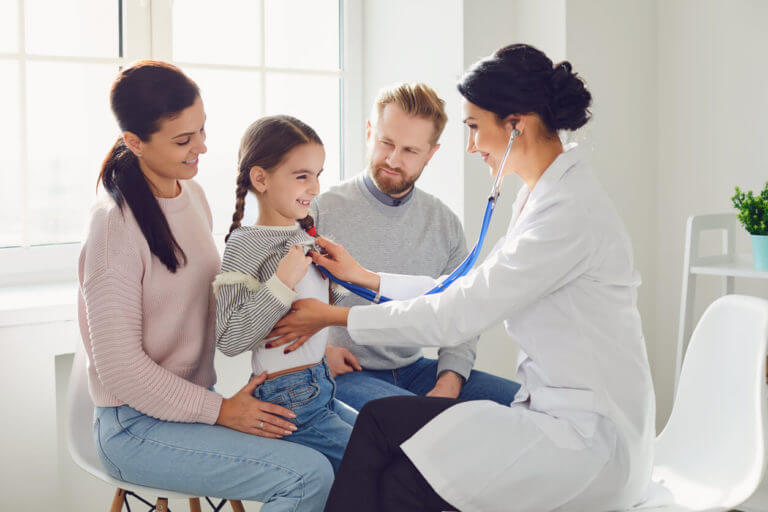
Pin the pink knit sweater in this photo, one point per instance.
(149, 333)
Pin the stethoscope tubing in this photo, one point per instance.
(465, 265)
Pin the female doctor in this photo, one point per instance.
(579, 433)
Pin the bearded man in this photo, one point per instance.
(389, 225)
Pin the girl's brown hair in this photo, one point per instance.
(265, 144)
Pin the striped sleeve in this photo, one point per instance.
(113, 304)
(247, 309)
(337, 293)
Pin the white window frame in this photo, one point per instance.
(147, 34)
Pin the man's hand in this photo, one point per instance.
(448, 385)
(341, 360)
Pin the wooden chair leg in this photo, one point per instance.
(237, 505)
(118, 500)
(194, 504)
(162, 505)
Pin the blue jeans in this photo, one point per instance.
(211, 460)
(323, 423)
(418, 378)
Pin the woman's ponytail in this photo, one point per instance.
(123, 180)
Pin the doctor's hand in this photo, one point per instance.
(307, 316)
(342, 265)
(341, 360)
(448, 385)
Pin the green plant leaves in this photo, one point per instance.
(753, 210)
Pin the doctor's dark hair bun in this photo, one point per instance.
(520, 79)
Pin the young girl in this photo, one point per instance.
(265, 268)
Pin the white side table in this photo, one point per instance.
(727, 265)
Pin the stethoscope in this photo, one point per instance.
(465, 265)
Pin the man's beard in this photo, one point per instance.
(388, 184)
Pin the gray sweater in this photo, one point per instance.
(420, 236)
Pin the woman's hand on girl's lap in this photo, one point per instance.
(307, 316)
(342, 265)
(293, 266)
(245, 413)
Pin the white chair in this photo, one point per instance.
(711, 453)
(81, 447)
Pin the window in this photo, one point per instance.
(58, 59)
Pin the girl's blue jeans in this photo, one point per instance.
(212, 460)
(323, 422)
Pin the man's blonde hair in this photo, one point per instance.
(416, 99)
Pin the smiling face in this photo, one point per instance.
(172, 152)
(286, 191)
(487, 136)
(399, 147)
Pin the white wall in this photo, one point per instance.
(28, 439)
(489, 25)
(612, 45)
(679, 95)
(712, 132)
(420, 41)
(680, 98)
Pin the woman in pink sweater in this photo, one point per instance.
(146, 314)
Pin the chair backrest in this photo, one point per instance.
(713, 444)
(80, 416)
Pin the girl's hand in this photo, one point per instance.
(293, 266)
(339, 263)
(245, 413)
(307, 316)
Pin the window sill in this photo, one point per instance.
(38, 303)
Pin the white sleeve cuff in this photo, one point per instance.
(400, 287)
(280, 290)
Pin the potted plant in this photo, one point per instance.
(753, 215)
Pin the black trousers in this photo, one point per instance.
(375, 475)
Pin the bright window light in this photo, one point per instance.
(57, 59)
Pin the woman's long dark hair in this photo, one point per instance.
(142, 96)
(520, 79)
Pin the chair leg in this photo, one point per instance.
(118, 500)
(194, 504)
(237, 505)
(162, 505)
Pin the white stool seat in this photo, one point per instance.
(80, 432)
(80, 436)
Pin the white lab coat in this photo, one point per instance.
(579, 435)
